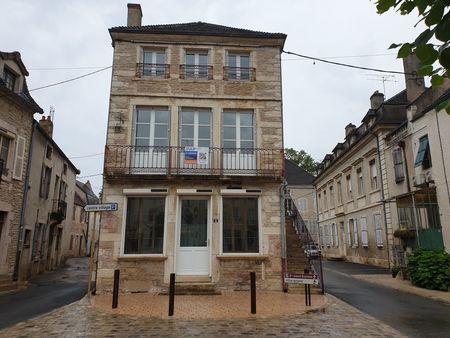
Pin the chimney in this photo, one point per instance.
(376, 100)
(349, 129)
(415, 85)
(47, 125)
(134, 18)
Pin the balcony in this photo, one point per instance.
(59, 210)
(125, 160)
(196, 72)
(239, 74)
(160, 71)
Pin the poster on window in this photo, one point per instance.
(196, 155)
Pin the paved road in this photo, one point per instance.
(47, 292)
(412, 315)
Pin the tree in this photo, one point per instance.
(436, 16)
(302, 159)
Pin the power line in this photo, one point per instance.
(347, 65)
(85, 156)
(70, 80)
(64, 68)
(90, 175)
(346, 56)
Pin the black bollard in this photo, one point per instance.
(253, 291)
(115, 299)
(171, 294)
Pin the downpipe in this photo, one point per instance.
(283, 234)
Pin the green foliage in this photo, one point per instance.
(430, 269)
(436, 16)
(302, 158)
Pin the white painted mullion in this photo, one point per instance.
(152, 128)
(195, 129)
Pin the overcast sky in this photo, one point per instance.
(318, 99)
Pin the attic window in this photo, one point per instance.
(65, 169)
(423, 154)
(9, 78)
(49, 152)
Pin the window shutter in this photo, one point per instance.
(378, 231)
(336, 235)
(19, 158)
(349, 234)
(364, 237)
(355, 231)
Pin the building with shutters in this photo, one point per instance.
(17, 108)
(194, 157)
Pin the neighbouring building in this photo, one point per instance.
(17, 108)
(48, 206)
(84, 224)
(301, 192)
(379, 192)
(194, 157)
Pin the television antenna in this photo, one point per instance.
(382, 78)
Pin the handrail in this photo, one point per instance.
(153, 70)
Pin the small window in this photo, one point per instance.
(4, 151)
(349, 188)
(48, 152)
(239, 67)
(2, 222)
(339, 192)
(325, 201)
(9, 78)
(359, 174)
(45, 182)
(27, 238)
(331, 197)
(423, 154)
(196, 66)
(153, 64)
(65, 169)
(399, 170)
(373, 175)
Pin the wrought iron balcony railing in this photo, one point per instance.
(239, 73)
(59, 210)
(156, 70)
(196, 72)
(176, 160)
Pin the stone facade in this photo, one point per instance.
(131, 88)
(16, 121)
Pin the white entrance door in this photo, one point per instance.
(193, 237)
(151, 140)
(238, 142)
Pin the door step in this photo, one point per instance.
(197, 288)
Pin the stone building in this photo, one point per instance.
(47, 212)
(194, 157)
(301, 192)
(380, 185)
(17, 108)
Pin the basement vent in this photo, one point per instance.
(253, 190)
(204, 190)
(159, 190)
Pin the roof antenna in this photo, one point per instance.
(383, 78)
(52, 113)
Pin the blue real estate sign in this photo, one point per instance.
(101, 207)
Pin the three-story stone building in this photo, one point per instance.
(194, 157)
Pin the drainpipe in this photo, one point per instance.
(383, 197)
(401, 144)
(442, 156)
(15, 276)
(283, 234)
(416, 220)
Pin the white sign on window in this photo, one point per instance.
(196, 155)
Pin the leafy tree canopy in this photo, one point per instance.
(302, 158)
(432, 46)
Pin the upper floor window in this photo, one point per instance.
(399, 171)
(4, 151)
(9, 78)
(152, 127)
(238, 130)
(45, 182)
(360, 181)
(48, 152)
(423, 154)
(331, 197)
(373, 175)
(153, 64)
(238, 68)
(325, 201)
(339, 192)
(349, 188)
(195, 128)
(196, 66)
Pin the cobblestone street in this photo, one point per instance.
(82, 320)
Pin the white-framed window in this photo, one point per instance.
(322, 240)
(238, 130)
(352, 232)
(196, 66)
(399, 170)
(238, 66)
(319, 197)
(195, 127)
(339, 191)
(240, 232)
(364, 234)
(355, 233)
(151, 127)
(4, 152)
(144, 228)
(327, 235)
(302, 205)
(373, 174)
(154, 63)
(359, 175)
(331, 196)
(378, 230)
(336, 235)
(349, 187)
(325, 200)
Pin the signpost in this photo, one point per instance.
(94, 247)
(303, 278)
(101, 207)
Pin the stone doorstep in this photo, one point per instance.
(194, 288)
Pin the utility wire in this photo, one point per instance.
(347, 65)
(85, 156)
(68, 68)
(346, 56)
(70, 80)
(90, 175)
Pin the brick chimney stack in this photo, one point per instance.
(415, 85)
(134, 18)
(349, 129)
(47, 125)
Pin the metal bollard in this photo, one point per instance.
(253, 291)
(171, 294)
(115, 299)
